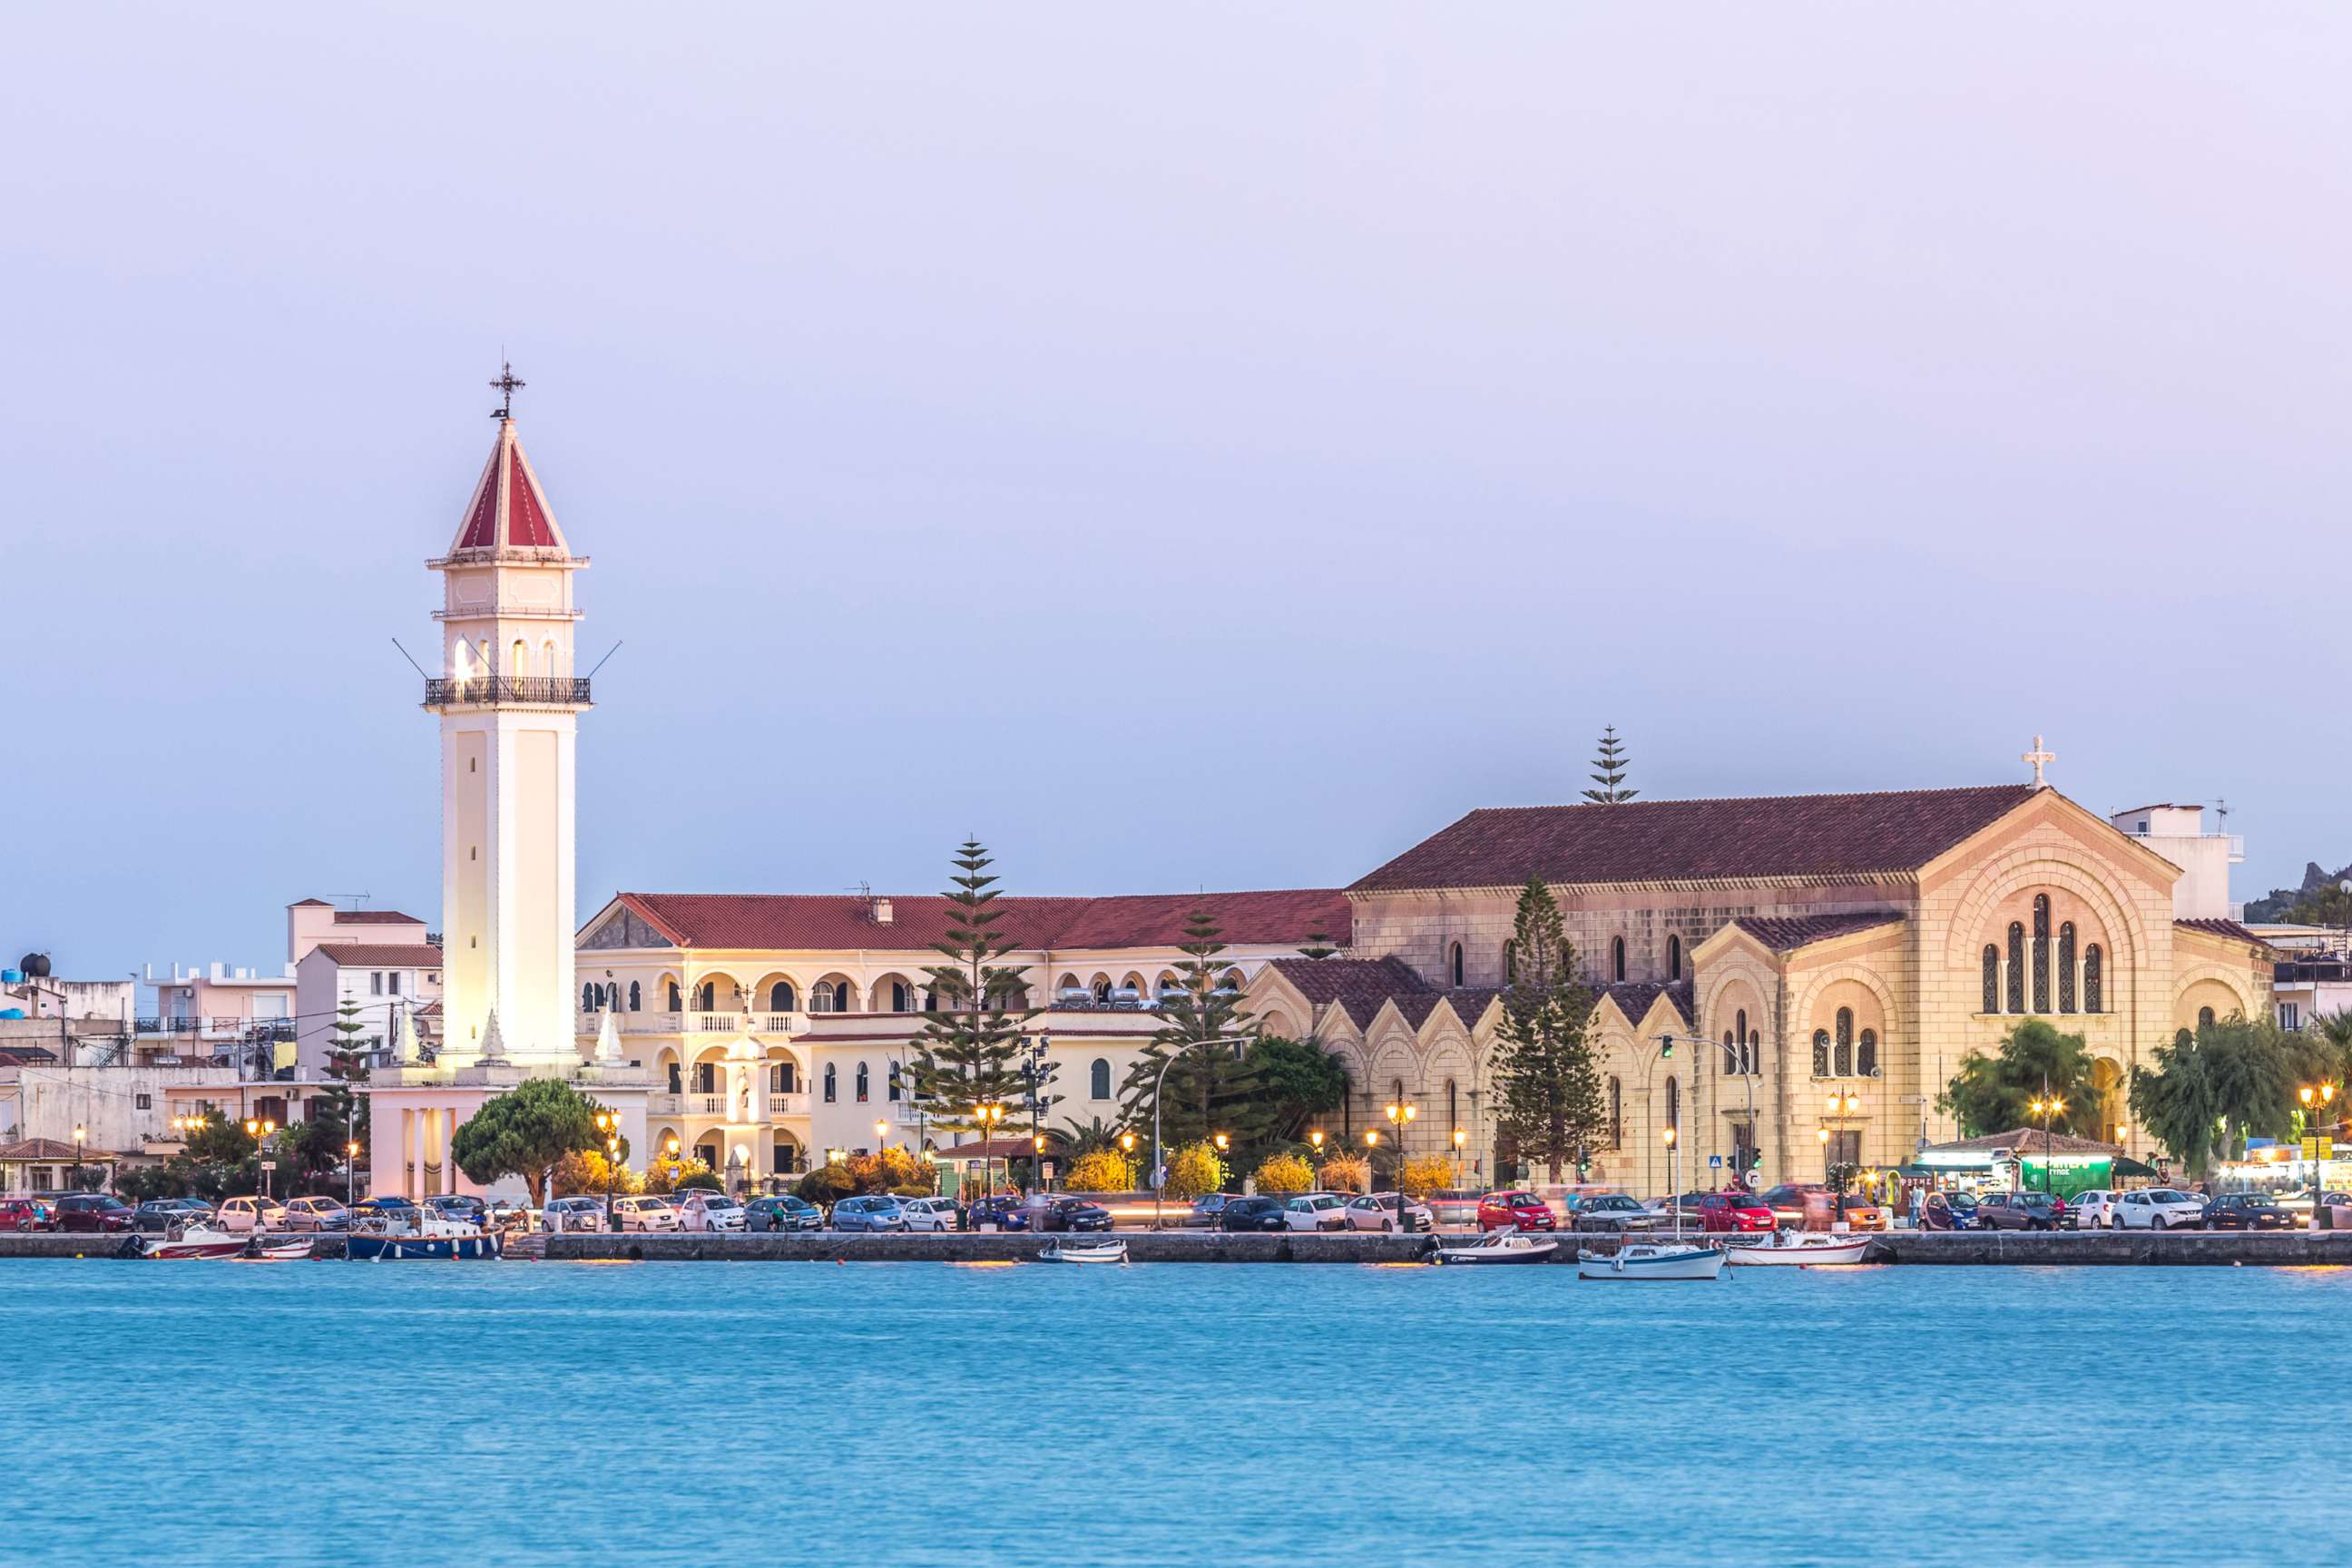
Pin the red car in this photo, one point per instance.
(93, 1211)
(1514, 1211)
(23, 1214)
(1732, 1211)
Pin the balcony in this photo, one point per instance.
(507, 691)
(250, 1031)
(788, 1105)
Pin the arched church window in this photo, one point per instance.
(1865, 1061)
(1730, 1063)
(1098, 1078)
(781, 998)
(1673, 1102)
(2093, 979)
(1616, 1113)
(1510, 963)
(521, 657)
(2204, 1017)
(1617, 958)
(2066, 967)
(1820, 1053)
(1755, 1052)
(2016, 967)
(1673, 958)
(1739, 1026)
(1991, 978)
(2041, 952)
(832, 1084)
(1844, 1068)
(1454, 961)
(636, 999)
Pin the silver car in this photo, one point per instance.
(1378, 1211)
(573, 1213)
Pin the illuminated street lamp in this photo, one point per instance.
(881, 1134)
(351, 1173)
(81, 1136)
(1841, 1106)
(2322, 1098)
(2047, 1109)
(1674, 1184)
(608, 1122)
(1400, 1116)
(1460, 1138)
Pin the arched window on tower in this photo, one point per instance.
(1098, 1078)
(1991, 978)
(1673, 958)
(1820, 1053)
(782, 999)
(1455, 962)
(1843, 1067)
(1755, 1051)
(1510, 962)
(1865, 1061)
(637, 998)
(2066, 967)
(521, 658)
(2016, 967)
(2093, 980)
(2041, 952)
(1617, 958)
(1616, 1113)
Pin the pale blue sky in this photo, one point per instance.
(1208, 447)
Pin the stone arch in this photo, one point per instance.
(764, 993)
(893, 992)
(1133, 980)
(2110, 1078)
(2211, 985)
(670, 992)
(722, 987)
(832, 991)
(1812, 1008)
(2034, 867)
(1276, 1021)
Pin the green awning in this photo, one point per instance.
(2127, 1166)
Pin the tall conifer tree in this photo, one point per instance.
(1548, 1084)
(1609, 770)
(1209, 1088)
(971, 1050)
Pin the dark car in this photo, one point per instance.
(1005, 1211)
(1252, 1213)
(1964, 1207)
(158, 1215)
(24, 1213)
(784, 1213)
(1074, 1213)
(2020, 1211)
(2248, 1211)
(462, 1207)
(93, 1211)
(1208, 1209)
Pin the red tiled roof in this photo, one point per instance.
(381, 955)
(374, 918)
(1787, 933)
(44, 1150)
(1805, 835)
(2230, 928)
(1373, 980)
(508, 509)
(822, 921)
(1360, 985)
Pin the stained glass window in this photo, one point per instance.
(1991, 978)
(2016, 967)
(2066, 967)
(2093, 999)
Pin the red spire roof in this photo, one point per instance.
(509, 510)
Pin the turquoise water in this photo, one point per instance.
(782, 1414)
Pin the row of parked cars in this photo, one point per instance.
(705, 1211)
(2141, 1208)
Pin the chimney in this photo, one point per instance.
(882, 911)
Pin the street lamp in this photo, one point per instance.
(351, 1173)
(1372, 1147)
(1224, 1143)
(2047, 1109)
(881, 1132)
(1400, 1116)
(1841, 1106)
(2320, 1096)
(1460, 1138)
(1674, 1184)
(81, 1136)
(608, 1122)
(988, 1116)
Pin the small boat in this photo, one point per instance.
(1802, 1249)
(1502, 1247)
(197, 1240)
(381, 1239)
(1651, 1260)
(1084, 1252)
(278, 1249)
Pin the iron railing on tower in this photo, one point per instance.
(494, 691)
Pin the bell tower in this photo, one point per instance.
(509, 701)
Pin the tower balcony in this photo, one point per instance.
(506, 691)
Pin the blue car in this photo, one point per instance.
(877, 1213)
(1005, 1211)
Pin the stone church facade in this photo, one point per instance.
(1819, 965)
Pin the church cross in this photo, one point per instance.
(506, 384)
(2039, 757)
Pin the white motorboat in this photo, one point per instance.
(1802, 1249)
(277, 1249)
(1501, 1246)
(1084, 1252)
(194, 1240)
(1651, 1260)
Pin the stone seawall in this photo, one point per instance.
(1142, 1245)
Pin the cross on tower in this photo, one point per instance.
(506, 384)
(2039, 757)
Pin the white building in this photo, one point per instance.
(386, 963)
(507, 707)
(2177, 833)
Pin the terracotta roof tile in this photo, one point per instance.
(1786, 934)
(2230, 928)
(381, 955)
(1808, 835)
(509, 510)
(2028, 1139)
(374, 918)
(822, 922)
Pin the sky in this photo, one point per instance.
(1211, 446)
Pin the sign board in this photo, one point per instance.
(269, 1164)
(2319, 1148)
(1714, 1161)
(1046, 1167)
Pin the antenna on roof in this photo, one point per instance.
(356, 899)
(2220, 809)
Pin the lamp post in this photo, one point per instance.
(988, 1116)
(608, 1122)
(2319, 1097)
(1372, 1147)
(2047, 1109)
(881, 1134)
(1460, 1138)
(1674, 1185)
(1401, 1115)
(81, 1136)
(1841, 1106)
(351, 1173)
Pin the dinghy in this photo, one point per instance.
(1502, 1247)
(1084, 1252)
(1651, 1260)
(1802, 1249)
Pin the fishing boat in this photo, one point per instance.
(382, 1239)
(1801, 1249)
(1084, 1252)
(194, 1240)
(1502, 1247)
(1651, 1260)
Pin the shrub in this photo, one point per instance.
(1345, 1174)
(888, 1170)
(677, 1175)
(1285, 1173)
(1425, 1174)
(581, 1171)
(827, 1183)
(1195, 1169)
(706, 1179)
(1100, 1170)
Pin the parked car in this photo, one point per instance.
(2158, 1208)
(1515, 1210)
(783, 1212)
(93, 1211)
(1074, 1215)
(1607, 1213)
(1252, 1213)
(1005, 1211)
(154, 1217)
(578, 1213)
(2091, 1210)
(24, 1213)
(1964, 1209)
(316, 1214)
(1735, 1211)
(2249, 1211)
(2020, 1211)
(464, 1208)
(249, 1213)
(1794, 1202)
(930, 1214)
(1378, 1211)
(646, 1214)
(1208, 1209)
(878, 1212)
(1315, 1211)
(710, 1212)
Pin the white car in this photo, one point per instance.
(644, 1214)
(1316, 1211)
(580, 1213)
(930, 1214)
(2093, 1210)
(1378, 1211)
(709, 1211)
(316, 1214)
(2158, 1208)
(249, 1213)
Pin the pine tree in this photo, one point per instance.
(346, 1065)
(1209, 1088)
(1610, 770)
(970, 1051)
(1546, 1082)
(1318, 945)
